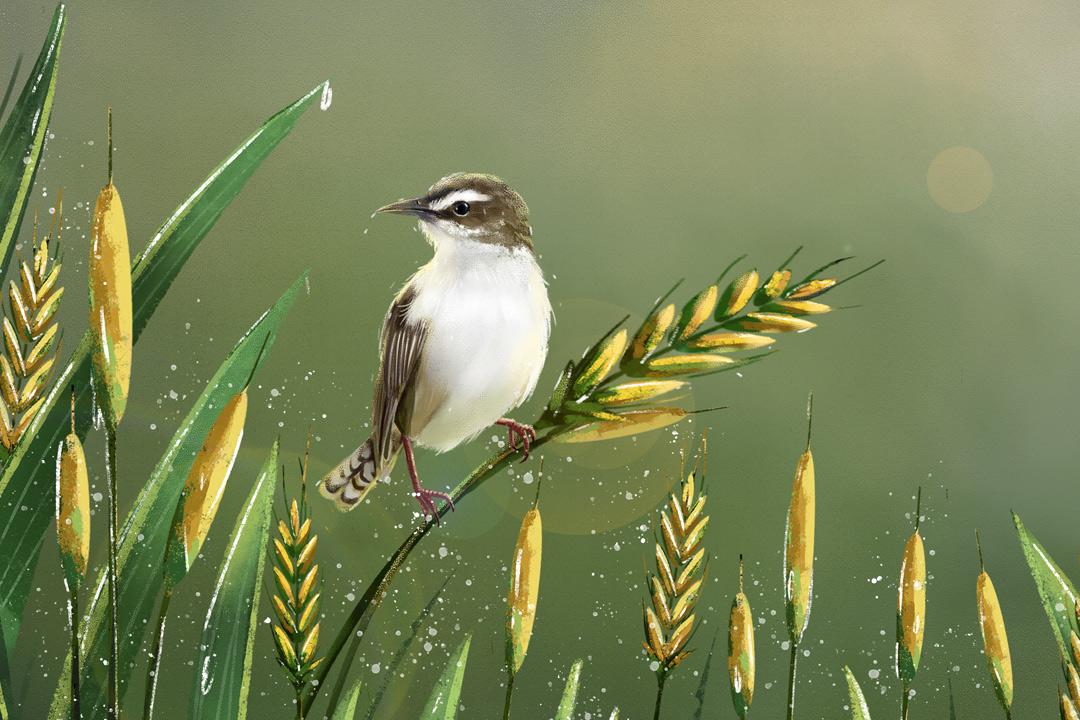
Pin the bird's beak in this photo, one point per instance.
(415, 206)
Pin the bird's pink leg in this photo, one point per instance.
(516, 431)
(423, 495)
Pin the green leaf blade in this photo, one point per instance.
(223, 669)
(146, 529)
(570, 692)
(26, 487)
(859, 708)
(443, 703)
(347, 709)
(23, 135)
(1056, 591)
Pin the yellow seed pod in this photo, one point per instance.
(630, 422)
(288, 655)
(685, 364)
(811, 289)
(911, 608)
(204, 487)
(603, 359)
(638, 391)
(730, 341)
(524, 589)
(738, 294)
(697, 311)
(73, 505)
(799, 547)
(110, 302)
(995, 641)
(800, 307)
(1074, 647)
(777, 283)
(1068, 709)
(652, 331)
(775, 322)
(741, 658)
(1072, 679)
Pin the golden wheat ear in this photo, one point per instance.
(31, 335)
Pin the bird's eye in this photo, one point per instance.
(461, 208)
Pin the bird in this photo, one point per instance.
(463, 342)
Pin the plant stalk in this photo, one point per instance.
(153, 669)
(72, 584)
(905, 699)
(299, 701)
(792, 666)
(510, 675)
(113, 712)
(661, 679)
(366, 606)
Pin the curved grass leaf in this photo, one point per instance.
(23, 136)
(569, 695)
(223, 669)
(347, 709)
(1055, 590)
(443, 703)
(26, 490)
(146, 529)
(859, 709)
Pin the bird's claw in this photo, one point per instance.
(426, 499)
(519, 431)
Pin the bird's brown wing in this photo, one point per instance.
(402, 342)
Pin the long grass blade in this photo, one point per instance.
(23, 135)
(144, 533)
(226, 651)
(443, 702)
(26, 495)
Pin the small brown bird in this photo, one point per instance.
(463, 342)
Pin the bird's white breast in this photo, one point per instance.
(488, 317)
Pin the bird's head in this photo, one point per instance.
(469, 207)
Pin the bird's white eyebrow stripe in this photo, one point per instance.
(451, 198)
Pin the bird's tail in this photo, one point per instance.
(356, 476)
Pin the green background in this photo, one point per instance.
(652, 142)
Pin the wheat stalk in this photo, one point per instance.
(611, 391)
(297, 592)
(31, 336)
(674, 588)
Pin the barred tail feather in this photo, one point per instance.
(356, 476)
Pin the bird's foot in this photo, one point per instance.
(426, 498)
(516, 431)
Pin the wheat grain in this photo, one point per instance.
(73, 503)
(995, 639)
(524, 594)
(741, 656)
(911, 610)
(110, 299)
